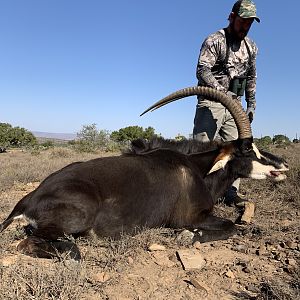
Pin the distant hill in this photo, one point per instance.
(55, 136)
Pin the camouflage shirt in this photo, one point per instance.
(212, 70)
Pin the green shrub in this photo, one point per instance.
(131, 133)
(15, 136)
(280, 139)
(90, 139)
(47, 144)
(264, 142)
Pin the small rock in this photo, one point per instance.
(278, 256)
(162, 259)
(286, 223)
(130, 260)
(282, 244)
(101, 277)
(252, 288)
(290, 269)
(261, 250)
(173, 258)
(241, 263)
(199, 286)
(292, 262)
(156, 247)
(229, 274)
(191, 259)
(291, 245)
(248, 212)
(246, 270)
(197, 245)
(240, 248)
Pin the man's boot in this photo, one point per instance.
(233, 197)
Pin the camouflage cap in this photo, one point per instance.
(245, 9)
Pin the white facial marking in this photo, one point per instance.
(256, 151)
(260, 171)
(283, 168)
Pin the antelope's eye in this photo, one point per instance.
(247, 149)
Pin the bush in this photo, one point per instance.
(15, 136)
(263, 142)
(90, 139)
(47, 144)
(130, 133)
(280, 139)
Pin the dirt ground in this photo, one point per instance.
(260, 262)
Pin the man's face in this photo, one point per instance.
(241, 26)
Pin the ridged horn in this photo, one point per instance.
(234, 107)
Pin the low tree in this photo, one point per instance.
(130, 133)
(91, 139)
(15, 136)
(149, 133)
(48, 144)
(280, 139)
(263, 142)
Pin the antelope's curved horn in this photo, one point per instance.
(234, 107)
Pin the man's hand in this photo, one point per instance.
(250, 113)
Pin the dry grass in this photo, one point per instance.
(30, 281)
(23, 166)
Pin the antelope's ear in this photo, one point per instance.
(220, 162)
(225, 155)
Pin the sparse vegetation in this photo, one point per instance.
(90, 139)
(22, 167)
(130, 133)
(281, 140)
(25, 282)
(48, 144)
(15, 136)
(263, 142)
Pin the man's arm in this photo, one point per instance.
(251, 80)
(208, 56)
(251, 85)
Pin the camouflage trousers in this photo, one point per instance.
(213, 121)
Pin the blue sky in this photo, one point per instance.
(69, 63)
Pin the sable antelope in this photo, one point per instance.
(148, 186)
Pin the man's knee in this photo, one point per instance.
(201, 136)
